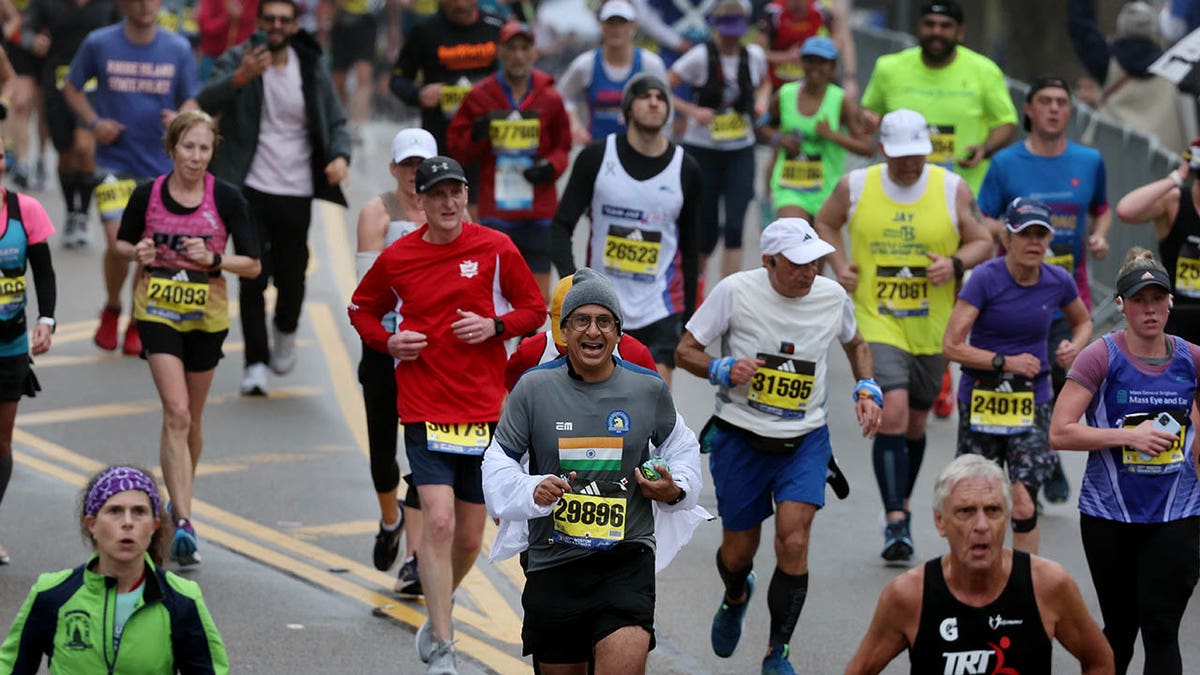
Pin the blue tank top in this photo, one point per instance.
(1121, 483)
(604, 96)
(14, 246)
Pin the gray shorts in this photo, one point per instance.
(1027, 457)
(920, 376)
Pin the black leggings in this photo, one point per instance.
(1144, 574)
(377, 375)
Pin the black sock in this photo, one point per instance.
(890, 457)
(67, 182)
(735, 582)
(6, 463)
(785, 599)
(84, 184)
(916, 453)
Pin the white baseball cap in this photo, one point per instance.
(905, 133)
(620, 8)
(795, 239)
(413, 143)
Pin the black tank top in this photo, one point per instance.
(1004, 638)
(1183, 242)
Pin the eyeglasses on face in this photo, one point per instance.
(272, 19)
(605, 323)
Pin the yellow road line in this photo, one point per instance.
(342, 372)
(494, 658)
(341, 258)
(107, 411)
(348, 528)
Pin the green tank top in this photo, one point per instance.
(807, 179)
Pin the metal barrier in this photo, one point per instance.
(1131, 159)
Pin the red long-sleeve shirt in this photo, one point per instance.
(480, 271)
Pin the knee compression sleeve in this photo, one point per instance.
(890, 457)
(735, 582)
(785, 599)
(1022, 525)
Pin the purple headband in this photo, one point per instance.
(120, 479)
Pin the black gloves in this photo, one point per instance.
(481, 128)
(542, 171)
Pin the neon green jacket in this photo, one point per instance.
(68, 618)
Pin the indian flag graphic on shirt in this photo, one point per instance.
(590, 454)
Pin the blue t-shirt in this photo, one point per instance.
(135, 84)
(1071, 184)
(1014, 319)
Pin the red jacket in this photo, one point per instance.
(481, 271)
(535, 350)
(554, 141)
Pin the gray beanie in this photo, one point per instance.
(589, 287)
(640, 84)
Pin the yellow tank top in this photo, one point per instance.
(894, 303)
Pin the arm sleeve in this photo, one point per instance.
(133, 220)
(1091, 366)
(575, 200)
(231, 204)
(689, 229)
(1089, 43)
(407, 66)
(28, 640)
(43, 278)
(682, 452)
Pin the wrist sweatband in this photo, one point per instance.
(718, 370)
(870, 386)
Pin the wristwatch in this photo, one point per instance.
(499, 326)
(682, 494)
(998, 362)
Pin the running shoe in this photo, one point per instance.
(254, 380)
(4, 559)
(1057, 487)
(283, 352)
(106, 332)
(441, 659)
(943, 405)
(427, 641)
(19, 172)
(77, 226)
(728, 621)
(387, 545)
(408, 582)
(897, 543)
(183, 547)
(776, 662)
(837, 479)
(133, 340)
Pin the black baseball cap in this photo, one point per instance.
(1044, 82)
(437, 169)
(1135, 280)
(948, 8)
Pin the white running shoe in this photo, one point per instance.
(441, 661)
(283, 352)
(427, 641)
(254, 380)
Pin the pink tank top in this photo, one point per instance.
(168, 230)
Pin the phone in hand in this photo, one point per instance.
(257, 39)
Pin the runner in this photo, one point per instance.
(998, 332)
(456, 280)
(147, 610)
(811, 125)
(730, 89)
(352, 48)
(382, 221)
(589, 590)
(644, 215)
(768, 440)
(23, 243)
(1070, 178)
(1139, 505)
(128, 115)
(785, 25)
(914, 227)
(24, 97)
(982, 607)
(597, 77)
(176, 230)
(514, 125)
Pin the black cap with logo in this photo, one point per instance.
(437, 169)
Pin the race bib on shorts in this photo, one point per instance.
(730, 126)
(177, 295)
(902, 291)
(12, 293)
(1170, 461)
(632, 253)
(462, 438)
(942, 139)
(781, 386)
(592, 515)
(112, 194)
(1003, 407)
(805, 173)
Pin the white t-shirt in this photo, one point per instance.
(283, 159)
(692, 68)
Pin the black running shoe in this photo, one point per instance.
(837, 479)
(387, 546)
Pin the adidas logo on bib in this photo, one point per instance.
(786, 367)
(181, 275)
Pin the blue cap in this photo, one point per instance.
(1025, 211)
(819, 45)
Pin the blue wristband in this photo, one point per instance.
(870, 386)
(718, 370)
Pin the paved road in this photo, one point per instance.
(286, 511)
